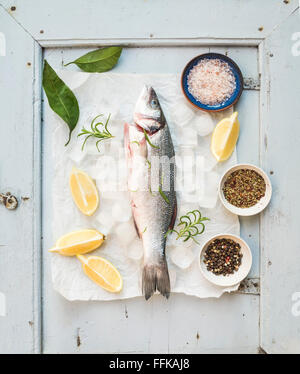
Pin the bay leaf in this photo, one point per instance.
(61, 99)
(98, 61)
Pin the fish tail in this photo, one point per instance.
(156, 277)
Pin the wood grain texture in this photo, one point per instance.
(108, 327)
(78, 327)
(19, 248)
(182, 324)
(82, 20)
(280, 154)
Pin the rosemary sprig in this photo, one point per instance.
(136, 142)
(150, 190)
(163, 195)
(148, 140)
(101, 134)
(188, 226)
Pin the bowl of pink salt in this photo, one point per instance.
(212, 82)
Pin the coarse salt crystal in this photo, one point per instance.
(211, 81)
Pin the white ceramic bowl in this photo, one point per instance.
(237, 276)
(260, 205)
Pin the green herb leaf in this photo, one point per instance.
(188, 226)
(152, 193)
(148, 140)
(136, 142)
(61, 99)
(98, 61)
(101, 135)
(162, 194)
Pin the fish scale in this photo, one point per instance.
(151, 181)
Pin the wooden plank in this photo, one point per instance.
(249, 139)
(280, 154)
(19, 97)
(81, 21)
(172, 326)
(182, 324)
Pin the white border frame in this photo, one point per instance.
(240, 33)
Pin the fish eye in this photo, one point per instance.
(154, 103)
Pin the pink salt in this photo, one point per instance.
(211, 81)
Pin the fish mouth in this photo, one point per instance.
(147, 123)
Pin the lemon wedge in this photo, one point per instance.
(102, 272)
(224, 137)
(84, 192)
(78, 242)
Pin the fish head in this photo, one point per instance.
(148, 113)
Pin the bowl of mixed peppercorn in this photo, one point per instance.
(225, 260)
(245, 190)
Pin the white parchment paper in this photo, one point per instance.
(191, 132)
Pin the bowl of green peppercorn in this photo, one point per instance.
(225, 260)
(245, 190)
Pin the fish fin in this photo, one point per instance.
(156, 277)
(174, 215)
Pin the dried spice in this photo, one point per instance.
(211, 81)
(244, 188)
(223, 256)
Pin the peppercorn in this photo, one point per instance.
(244, 188)
(223, 256)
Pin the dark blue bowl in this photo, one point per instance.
(227, 103)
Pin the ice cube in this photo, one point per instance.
(106, 173)
(121, 210)
(91, 149)
(203, 123)
(189, 197)
(182, 113)
(76, 154)
(210, 192)
(184, 209)
(134, 250)
(171, 240)
(105, 220)
(182, 257)
(106, 167)
(189, 180)
(126, 232)
(117, 129)
(186, 244)
(187, 136)
(206, 162)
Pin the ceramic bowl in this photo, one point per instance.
(237, 276)
(227, 103)
(260, 205)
